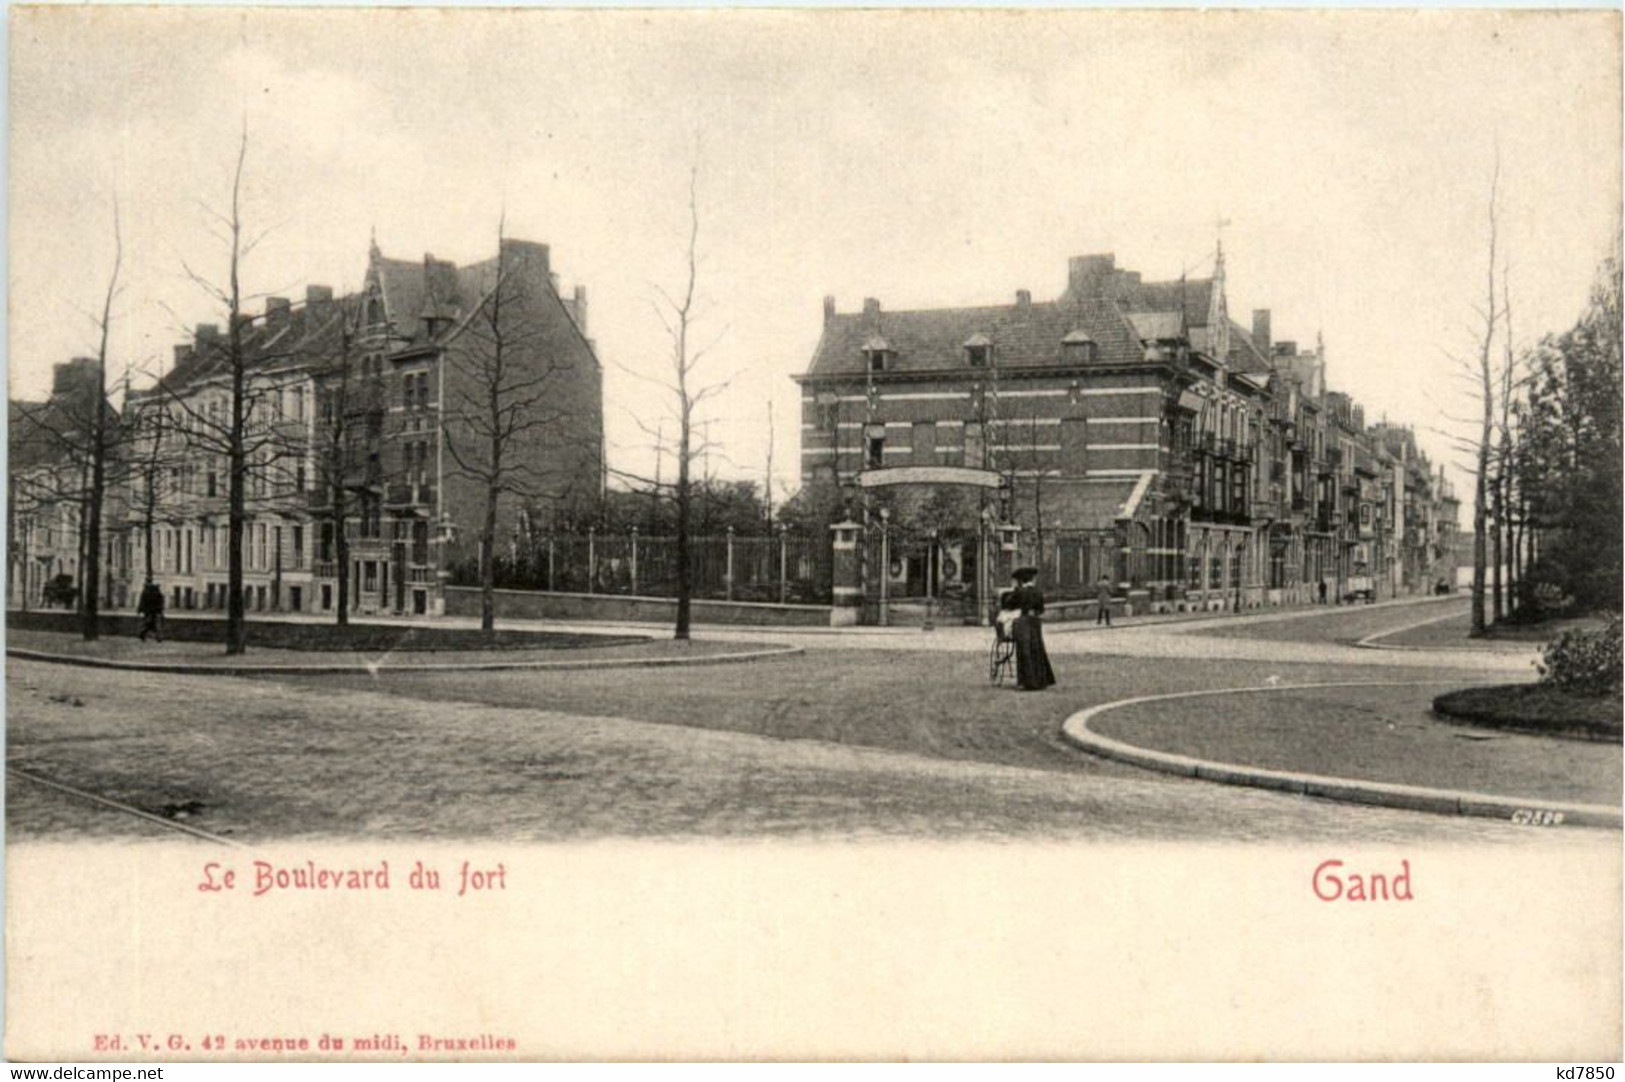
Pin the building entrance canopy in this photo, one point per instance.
(930, 475)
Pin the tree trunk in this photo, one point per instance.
(1497, 532)
(488, 570)
(684, 584)
(93, 529)
(341, 557)
(236, 632)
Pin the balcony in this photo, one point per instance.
(324, 569)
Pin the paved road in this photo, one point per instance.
(262, 762)
(876, 734)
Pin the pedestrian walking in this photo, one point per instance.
(151, 608)
(1033, 672)
(1323, 591)
(1103, 599)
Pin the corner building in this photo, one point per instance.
(1135, 432)
(398, 361)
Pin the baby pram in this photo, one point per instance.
(1001, 657)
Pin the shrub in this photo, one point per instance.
(1585, 661)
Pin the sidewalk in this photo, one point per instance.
(130, 654)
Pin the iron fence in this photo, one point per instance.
(782, 567)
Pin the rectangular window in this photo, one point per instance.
(298, 546)
(977, 356)
(874, 452)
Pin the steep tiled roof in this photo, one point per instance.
(1195, 295)
(932, 340)
(1244, 355)
(299, 336)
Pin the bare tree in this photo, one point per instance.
(99, 433)
(248, 437)
(679, 314)
(1486, 378)
(334, 413)
(504, 404)
(79, 425)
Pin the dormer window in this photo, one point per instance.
(978, 350)
(1078, 348)
(874, 352)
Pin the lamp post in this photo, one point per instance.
(885, 567)
(930, 569)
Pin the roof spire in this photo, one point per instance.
(372, 249)
(1218, 316)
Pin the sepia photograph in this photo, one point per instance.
(1005, 534)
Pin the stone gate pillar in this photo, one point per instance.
(846, 574)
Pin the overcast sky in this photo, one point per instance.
(927, 159)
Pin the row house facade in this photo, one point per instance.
(1132, 429)
(48, 479)
(366, 402)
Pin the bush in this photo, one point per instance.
(1585, 661)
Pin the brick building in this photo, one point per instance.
(392, 375)
(1133, 430)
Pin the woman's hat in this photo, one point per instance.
(1024, 574)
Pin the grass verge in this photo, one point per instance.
(1534, 708)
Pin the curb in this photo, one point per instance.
(191, 669)
(1346, 790)
(1371, 642)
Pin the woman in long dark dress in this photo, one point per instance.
(1033, 672)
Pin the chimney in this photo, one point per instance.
(183, 353)
(276, 311)
(315, 295)
(1261, 330)
(527, 252)
(66, 379)
(207, 332)
(871, 313)
(581, 308)
(1087, 275)
(829, 308)
(1024, 299)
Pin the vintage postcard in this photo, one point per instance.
(813, 534)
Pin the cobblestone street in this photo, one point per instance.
(873, 737)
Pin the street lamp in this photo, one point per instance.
(885, 567)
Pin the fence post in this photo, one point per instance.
(784, 564)
(728, 576)
(592, 559)
(634, 559)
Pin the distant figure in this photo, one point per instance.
(151, 608)
(1103, 598)
(1033, 672)
(1323, 591)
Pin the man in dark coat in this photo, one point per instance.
(1103, 597)
(151, 608)
(1033, 672)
